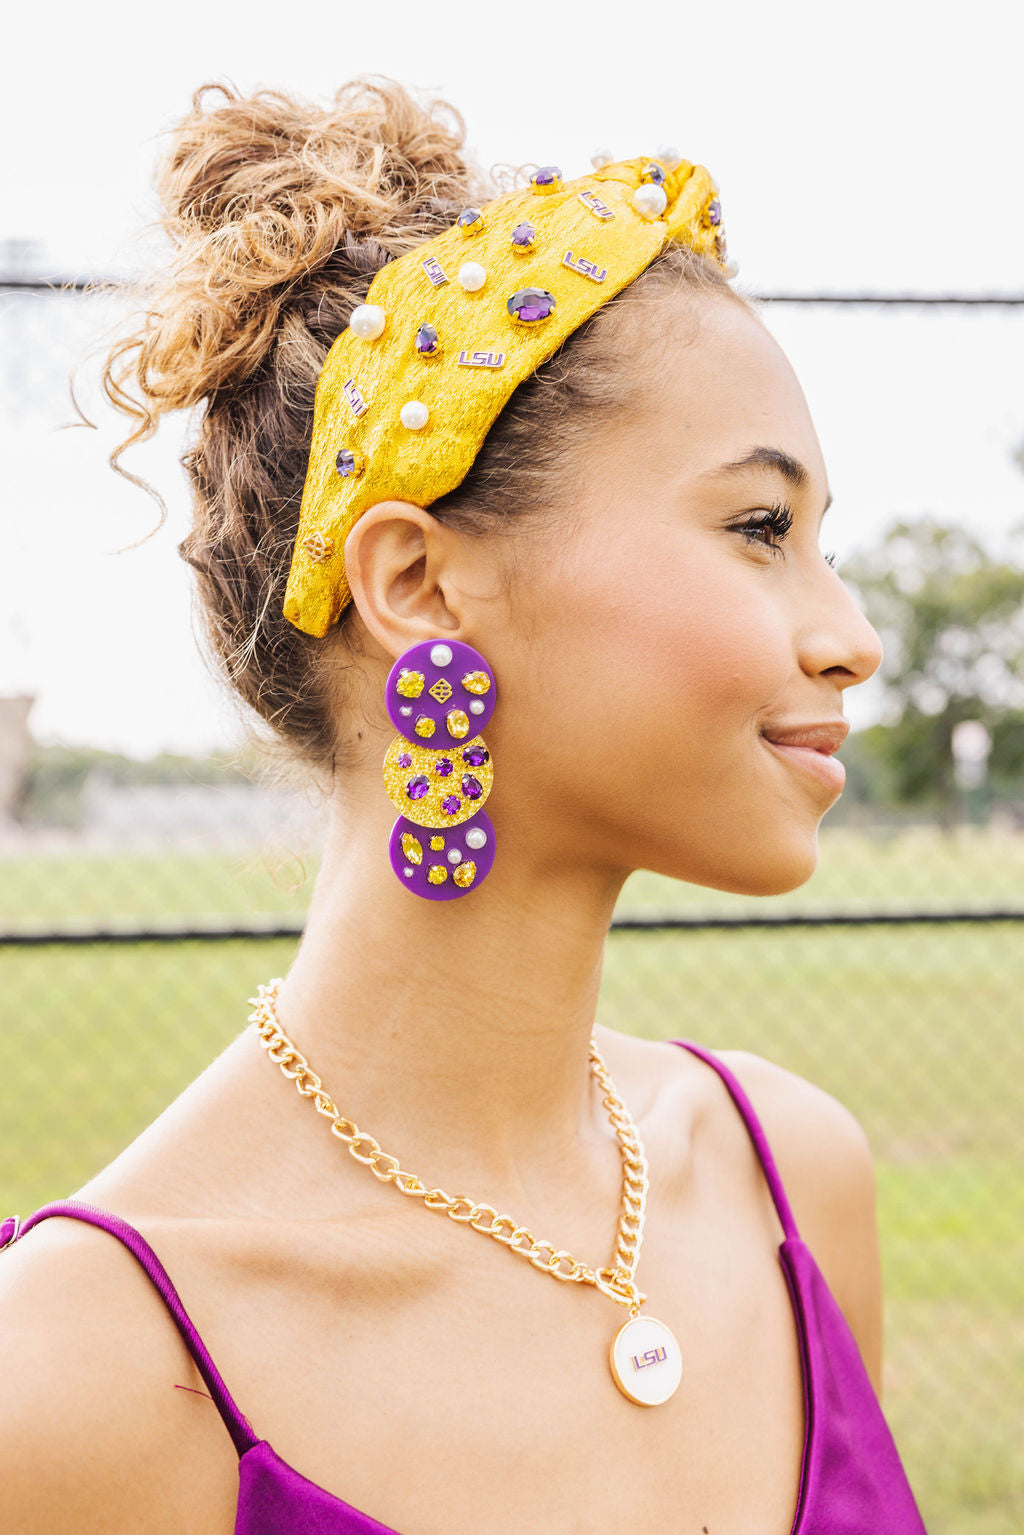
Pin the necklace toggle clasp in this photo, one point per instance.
(612, 1282)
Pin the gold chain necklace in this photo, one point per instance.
(644, 1356)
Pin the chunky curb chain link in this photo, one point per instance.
(616, 1280)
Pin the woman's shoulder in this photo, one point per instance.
(821, 1152)
(801, 1120)
(92, 1433)
(825, 1160)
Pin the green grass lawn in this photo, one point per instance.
(916, 1028)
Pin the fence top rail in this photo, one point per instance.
(104, 285)
(226, 933)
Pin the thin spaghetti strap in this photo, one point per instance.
(757, 1134)
(237, 1426)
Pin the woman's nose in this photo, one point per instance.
(839, 638)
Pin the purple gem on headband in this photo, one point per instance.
(345, 463)
(426, 339)
(715, 212)
(529, 305)
(547, 174)
(417, 787)
(443, 765)
(451, 804)
(524, 235)
(405, 760)
(470, 218)
(654, 173)
(472, 788)
(476, 756)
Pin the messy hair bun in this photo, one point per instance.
(280, 213)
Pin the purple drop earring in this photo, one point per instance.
(438, 771)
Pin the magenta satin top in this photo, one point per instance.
(851, 1482)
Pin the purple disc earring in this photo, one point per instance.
(438, 771)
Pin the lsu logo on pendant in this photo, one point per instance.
(354, 398)
(584, 267)
(591, 201)
(483, 359)
(435, 271)
(649, 1356)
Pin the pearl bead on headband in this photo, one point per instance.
(411, 387)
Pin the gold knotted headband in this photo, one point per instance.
(411, 387)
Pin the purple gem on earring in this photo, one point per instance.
(715, 212)
(476, 756)
(472, 788)
(443, 765)
(528, 305)
(426, 339)
(405, 760)
(417, 787)
(451, 805)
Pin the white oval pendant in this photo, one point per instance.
(645, 1360)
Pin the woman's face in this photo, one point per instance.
(649, 645)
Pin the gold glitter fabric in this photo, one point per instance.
(591, 238)
(427, 811)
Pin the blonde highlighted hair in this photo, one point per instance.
(280, 212)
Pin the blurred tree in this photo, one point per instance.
(951, 620)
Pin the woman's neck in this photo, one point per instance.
(456, 1033)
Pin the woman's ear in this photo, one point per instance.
(397, 557)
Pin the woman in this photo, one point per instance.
(632, 555)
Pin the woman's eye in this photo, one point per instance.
(768, 529)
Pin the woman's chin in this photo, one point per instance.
(769, 868)
(791, 867)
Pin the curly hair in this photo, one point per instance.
(280, 213)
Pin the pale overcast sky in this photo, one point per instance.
(859, 148)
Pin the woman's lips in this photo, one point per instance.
(827, 770)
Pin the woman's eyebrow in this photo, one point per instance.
(768, 458)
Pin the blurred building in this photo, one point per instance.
(15, 750)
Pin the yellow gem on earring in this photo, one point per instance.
(409, 684)
(411, 847)
(319, 547)
(437, 874)
(424, 725)
(476, 682)
(437, 844)
(465, 874)
(442, 690)
(458, 723)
